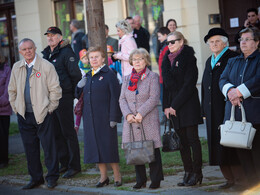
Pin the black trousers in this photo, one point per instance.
(190, 140)
(32, 134)
(156, 172)
(66, 136)
(4, 134)
(250, 159)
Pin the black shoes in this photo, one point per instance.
(3, 165)
(194, 179)
(226, 185)
(117, 183)
(63, 169)
(101, 184)
(51, 183)
(155, 185)
(70, 173)
(186, 178)
(33, 184)
(139, 185)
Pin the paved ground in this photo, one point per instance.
(212, 179)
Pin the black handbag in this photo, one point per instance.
(171, 140)
(139, 152)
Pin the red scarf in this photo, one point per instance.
(134, 79)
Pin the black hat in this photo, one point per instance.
(215, 31)
(53, 30)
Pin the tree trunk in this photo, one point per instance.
(96, 24)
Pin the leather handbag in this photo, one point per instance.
(171, 140)
(139, 152)
(237, 134)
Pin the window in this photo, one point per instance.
(65, 11)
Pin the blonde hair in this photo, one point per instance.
(178, 35)
(140, 51)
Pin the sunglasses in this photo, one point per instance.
(172, 41)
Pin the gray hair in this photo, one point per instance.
(76, 23)
(124, 26)
(223, 38)
(140, 51)
(25, 40)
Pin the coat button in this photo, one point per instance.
(209, 87)
(134, 103)
(92, 81)
(89, 92)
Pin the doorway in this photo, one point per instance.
(8, 33)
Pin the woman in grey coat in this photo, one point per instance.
(138, 102)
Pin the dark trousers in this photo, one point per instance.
(32, 134)
(4, 133)
(250, 159)
(66, 136)
(190, 140)
(156, 172)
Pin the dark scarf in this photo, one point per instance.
(134, 79)
(172, 56)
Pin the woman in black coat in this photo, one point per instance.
(181, 101)
(213, 106)
(101, 112)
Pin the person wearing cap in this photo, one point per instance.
(60, 54)
(213, 107)
(34, 92)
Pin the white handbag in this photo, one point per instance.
(237, 134)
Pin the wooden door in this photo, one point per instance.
(233, 15)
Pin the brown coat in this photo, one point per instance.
(145, 103)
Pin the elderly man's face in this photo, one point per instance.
(53, 39)
(216, 44)
(137, 21)
(27, 49)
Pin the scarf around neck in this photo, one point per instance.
(172, 56)
(215, 60)
(134, 79)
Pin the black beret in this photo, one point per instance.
(215, 31)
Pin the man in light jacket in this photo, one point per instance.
(34, 92)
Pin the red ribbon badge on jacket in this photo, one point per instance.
(38, 74)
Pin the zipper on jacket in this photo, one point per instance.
(244, 71)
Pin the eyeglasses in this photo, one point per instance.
(246, 39)
(172, 41)
(137, 59)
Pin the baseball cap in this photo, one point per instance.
(53, 30)
(82, 53)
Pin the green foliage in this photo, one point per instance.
(13, 129)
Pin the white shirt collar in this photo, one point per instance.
(32, 63)
(96, 71)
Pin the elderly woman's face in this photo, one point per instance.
(139, 62)
(174, 43)
(96, 60)
(120, 33)
(216, 44)
(247, 43)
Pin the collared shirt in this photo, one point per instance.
(96, 71)
(32, 63)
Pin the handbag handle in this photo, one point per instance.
(169, 122)
(232, 117)
(142, 132)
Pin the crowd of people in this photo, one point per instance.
(41, 92)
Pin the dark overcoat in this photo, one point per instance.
(101, 105)
(213, 108)
(180, 91)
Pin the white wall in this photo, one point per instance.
(33, 17)
(192, 21)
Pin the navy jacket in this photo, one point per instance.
(244, 73)
(101, 105)
(66, 65)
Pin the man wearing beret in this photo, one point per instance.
(61, 55)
